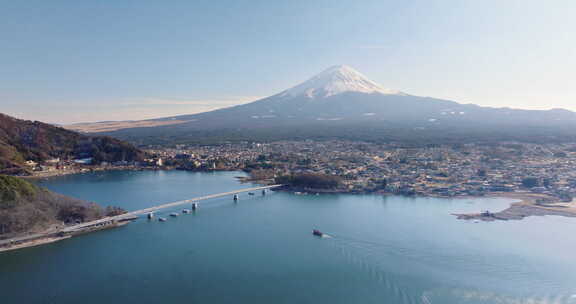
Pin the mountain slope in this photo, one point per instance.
(22, 140)
(341, 102)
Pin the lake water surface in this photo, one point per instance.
(260, 250)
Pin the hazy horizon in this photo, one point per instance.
(84, 62)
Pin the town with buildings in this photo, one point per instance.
(60, 166)
(439, 170)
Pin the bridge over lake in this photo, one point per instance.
(133, 214)
(111, 221)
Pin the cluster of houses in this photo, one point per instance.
(438, 170)
(57, 166)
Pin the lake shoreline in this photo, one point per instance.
(378, 243)
(52, 236)
(82, 170)
(529, 204)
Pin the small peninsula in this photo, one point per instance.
(529, 204)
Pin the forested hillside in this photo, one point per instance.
(22, 140)
(26, 208)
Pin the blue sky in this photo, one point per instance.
(74, 61)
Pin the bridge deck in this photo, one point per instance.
(114, 219)
(164, 206)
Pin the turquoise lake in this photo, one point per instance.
(261, 250)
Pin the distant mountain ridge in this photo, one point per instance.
(341, 102)
(22, 140)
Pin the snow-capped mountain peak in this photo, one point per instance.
(335, 80)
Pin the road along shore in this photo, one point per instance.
(55, 236)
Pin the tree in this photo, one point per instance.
(310, 180)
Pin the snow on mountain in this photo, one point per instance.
(335, 80)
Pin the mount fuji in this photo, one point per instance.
(336, 80)
(340, 102)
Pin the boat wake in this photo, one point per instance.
(370, 258)
(477, 296)
(373, 258)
